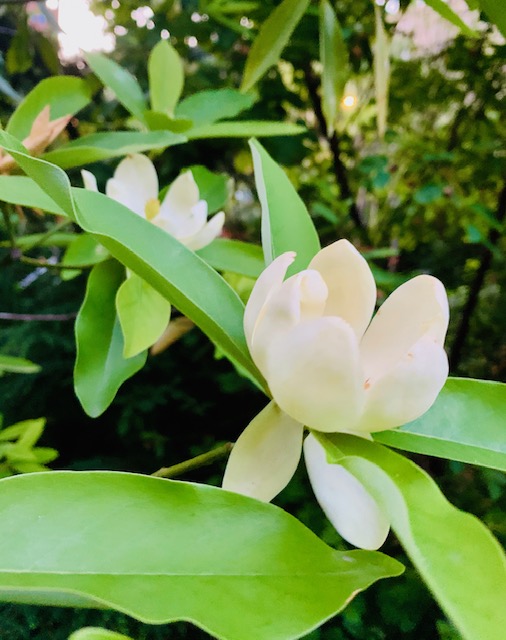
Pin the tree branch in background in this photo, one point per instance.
(477, 284)
(36, 317)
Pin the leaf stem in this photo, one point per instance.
(195, 463)
(42, 262)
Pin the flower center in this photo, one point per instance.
(152, 208)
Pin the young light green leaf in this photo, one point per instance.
(335, 63)
(125, 86)
(272, 39)
(234, 256)
(244, 129)
(83, 250)
(100, 367)
(112, 144)
(444, 10)
(286, 224)
(144, 553)
(12, 364)
(467, 423)
(457, 556)
(496, 13)
(206, 107)
(143, 314)
(65, 95)
(95, 633)
(166, 77)
(381, 73)
(27, 193)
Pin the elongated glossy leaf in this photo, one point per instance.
(244, 129)
(12, 364)
(209, 106)
(457, 556)
(166, 77)
(83, 250)
(102, 146)
(95, 633)
(381, 72)
(121, 81)
(272, 39)
(335, 63)
(143, 314)
(444, 10)
(100, 367)
(235, 256)
(27, 193)
(286, 224)
(65, 95)
(213, 187)
(466, 423)
(161, 550)
(496, 13)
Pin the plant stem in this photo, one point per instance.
(50, 232)
(195, 463)
(10, 230)
(33, 317)
(42, 262)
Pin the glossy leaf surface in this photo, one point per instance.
(211, 105)
(12, 364)
(235, 256)
(244, 129)
(27, 193)
(173, 550)
(166, 77)
(286, 224)
(83, 251)
(100, 367)
(96, 633)
(467, 423)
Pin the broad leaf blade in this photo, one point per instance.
(83, 250)
(27, 193)
(272, 39)
(335, 64)
(459, 559)
(235, 256)
(65, 95)
(286, 224)
(100, 367)
(145, 554)
(96, 633)
(166, 77)
(122, 82)
(213, 187)
(467, 423)
(206, 107)
(12, 364)
(496, 13)
(244, 129)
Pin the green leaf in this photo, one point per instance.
(206, 107)
(65, 95)
(112, 144)
(100, 367)
(122, 82)
(158, 121)
(143, 314)
(286, 224)
(17, 430)
(457, 556)
(95, 633)
(27, 193)
(272, 39)
(381, 72)
(496, 13)
(213, 187)
(445, 12)
(234, 256)
(83, 250)
(161, 550)
(466, 423)
(166, 77)
(11, 364)
(244, 129)
(335, 64)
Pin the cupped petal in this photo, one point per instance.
(267, 284)
(134, 183)
(417, 308)
(89, 180)
(182, 195)
(315, 376)
(206, 234)
(352, 291)
(265, 456)
(302, 297)
(408, 390)
(353, 512)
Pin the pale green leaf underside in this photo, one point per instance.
(27, 193)
(161, 551)
(166, 77)
(467, 423)
(457, 556)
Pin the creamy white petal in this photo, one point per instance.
(182, 195)
(315, 376)
(182, 223)
(417, 308)
(268, 283)
(206, 234)
(89, 180)
(406, 392)
(134, 183)
(352, 291)
(347, 504)
(265, 456)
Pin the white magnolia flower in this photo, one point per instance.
(332, 369)
(181, 213)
